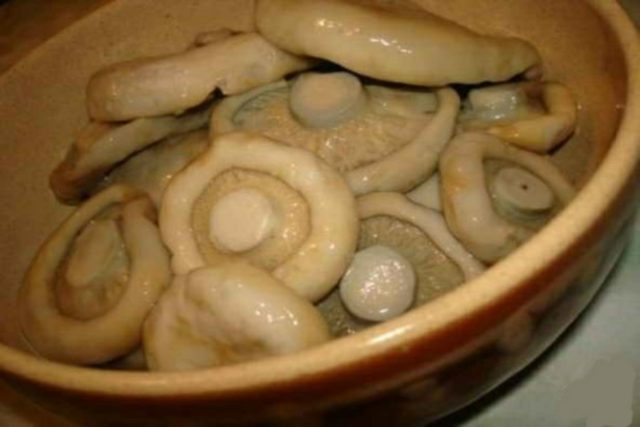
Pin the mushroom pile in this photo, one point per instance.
(264, 192)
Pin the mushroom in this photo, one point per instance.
(525, 189)
(102, 146)
(428, 221)
(414, 49)
(281, 208)
(535, 116)
(174, 83)
(228, 314)
(381, 139)
(406, 257)
(94, 280)
(151, 169)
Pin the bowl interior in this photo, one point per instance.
(42, 99)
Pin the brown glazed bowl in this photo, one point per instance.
(414, 368)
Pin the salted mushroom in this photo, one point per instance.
(228, 314)
(102, 146)
(406, 257)
(281, 208)
(94, 280)
(381, 139)
(151, 169)
(536, 116)
(492, 220)
(430, 222)
(415, 49)
(174, 83)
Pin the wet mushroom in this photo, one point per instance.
(92, 283)
(531, 186)
(406, 257)
(381, 139)
(535, 116)
(174, 83)
(415, 49)
(102, 146)
(281, 208)
(228, 314)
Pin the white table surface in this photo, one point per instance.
(590, 377)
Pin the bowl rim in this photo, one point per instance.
(397, 336)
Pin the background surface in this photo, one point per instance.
(591, 377)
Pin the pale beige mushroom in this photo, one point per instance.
(535, 116)
(535, 190)
(94, 280)
(419, 49)
(151, 169)
(279, 207)
(430, 222)
(381, 139)
(396, 233)
(228, 314)
(102, 146)
(174, 83)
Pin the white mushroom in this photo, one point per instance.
(419, 49)
(94, 280)
(427, 220)
(304, 231)
(101, 146)
(379, 285)
(174, 83)
(534, 116)
(406, 257)
(381, 139)
(228, 314)
(468, 203)
(151, 170)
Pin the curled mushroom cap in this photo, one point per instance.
(534, 116)
(427, 220)
(468, 204)
(406, 257)
(279, 207)
(381, 139)
(415, 49)
(228, 314)
(172, 84)
(94, 280)
(102, 146)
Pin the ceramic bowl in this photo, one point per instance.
(417, 367)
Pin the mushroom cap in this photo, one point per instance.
(414, 49)
(118, 331)
(228, 314)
